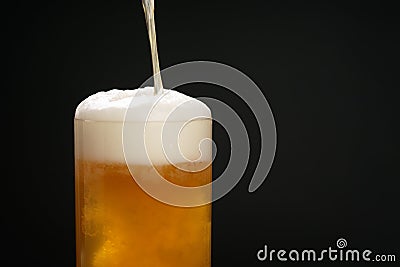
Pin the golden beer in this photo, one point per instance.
(117, 223)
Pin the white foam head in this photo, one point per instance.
(100, 122)
(112, 105)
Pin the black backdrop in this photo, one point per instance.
(329, 71)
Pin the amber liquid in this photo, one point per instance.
(118, 224)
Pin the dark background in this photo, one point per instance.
(330, 74)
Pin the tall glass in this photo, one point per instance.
(117, 223)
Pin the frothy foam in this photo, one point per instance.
(100, 123)
(112, 105)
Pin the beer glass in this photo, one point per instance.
(117, 223)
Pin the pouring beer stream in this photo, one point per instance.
(148, 6)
